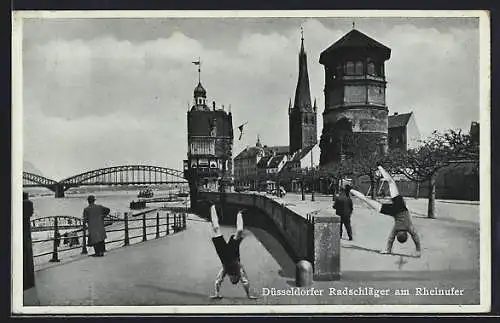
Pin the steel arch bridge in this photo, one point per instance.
(116, 175)
(33, 180)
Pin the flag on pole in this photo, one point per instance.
(198, 63)
(240, 128)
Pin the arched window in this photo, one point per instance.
(349, 68)
(359, 68)
(371, 68)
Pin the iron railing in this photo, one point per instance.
(174, 222)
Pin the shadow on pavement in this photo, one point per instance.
(174, 291)
(378, 251)
(199, 296)
(361, 248)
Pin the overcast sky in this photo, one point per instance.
(103, 92)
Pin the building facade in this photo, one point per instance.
(210, 142)
(403, 131)
(355, 115)
(245, 167)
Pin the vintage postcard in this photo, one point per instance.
(251, 162)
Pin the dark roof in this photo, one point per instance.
(474, 132)
(355, 40)
(199, 123)
(247, 152)
(199, 90)
(301, 153)
(474, 128)
(263, 162)
(302, 91)
(275, 161)
(277, 149)
(399, 120)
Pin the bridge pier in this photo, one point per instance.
(59, 190)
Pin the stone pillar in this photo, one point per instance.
(303, 274)
(326, 231)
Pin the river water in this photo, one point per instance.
(73, 205)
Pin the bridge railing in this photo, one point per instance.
(156, 225)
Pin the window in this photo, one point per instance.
(371, 68)
(349, 68)
(359, 68)
(338, 71)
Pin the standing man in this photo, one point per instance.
(93, 216)
(397, 209)
(229, 254)
(28, 266)
(343, 208)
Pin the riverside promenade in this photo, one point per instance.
(180, 269)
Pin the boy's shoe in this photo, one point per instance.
(216, 296)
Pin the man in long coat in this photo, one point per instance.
(29, 272)
(93, 216)
(343, 206)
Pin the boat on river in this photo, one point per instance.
(146, 193)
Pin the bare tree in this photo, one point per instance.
(435, 153)
(361, 154)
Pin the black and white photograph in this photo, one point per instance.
(251, 162)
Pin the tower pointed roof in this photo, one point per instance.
(302, 92)
(355, 40)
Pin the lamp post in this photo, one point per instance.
(302, 185)
(278, 193)
(312, 176)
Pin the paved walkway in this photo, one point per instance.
(179, 269)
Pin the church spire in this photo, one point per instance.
(302, 40)
(302, 92)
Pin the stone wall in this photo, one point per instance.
(295, 229)
(316, 239)
(363, 119)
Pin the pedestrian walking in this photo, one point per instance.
(93, 216)
(343, 208)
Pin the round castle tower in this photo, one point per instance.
(355, 115)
